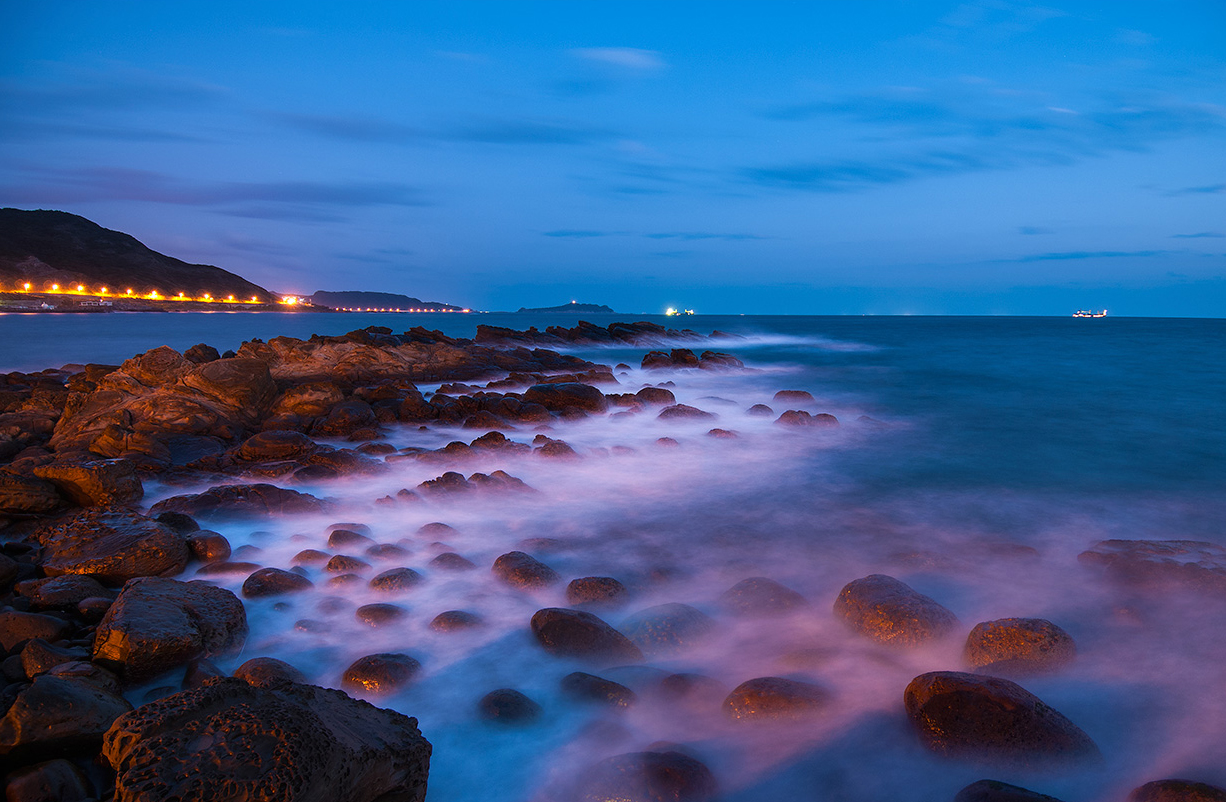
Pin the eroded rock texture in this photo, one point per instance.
(886, 610)
(113, 546)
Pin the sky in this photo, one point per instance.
(871, 157)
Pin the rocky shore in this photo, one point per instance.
(116, 613)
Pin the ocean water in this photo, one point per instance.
(977, 457)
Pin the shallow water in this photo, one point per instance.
(987, 435)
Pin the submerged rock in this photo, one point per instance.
(972, 716)
(574, 633)
(231, 740)
(591, 688)
(113, 546)
(648, 777)
(508, 706)
(1177, 791)
(1019, 646)
(760, 596)
(274, 582)
(522, 570)
(996, 791)
(775, 698)
(595, 591)
(667, 627)
(1161, 564)
(557, 397)
(888, 611)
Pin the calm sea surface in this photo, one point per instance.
(976, 459)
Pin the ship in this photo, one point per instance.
(1089, 313)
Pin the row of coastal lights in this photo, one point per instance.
(389, 309)
(152, 295)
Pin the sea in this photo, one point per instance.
(977, 457)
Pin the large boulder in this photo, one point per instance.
(888, 611)
(647, 777)
(297, 743)
(574, 633)
(58, 714)
(973, 716)
(667, 628)
(27, 494)
(1177, 791)
(95, 483)
(775, 698)
(236, 501)
(276, 445)
(522, 570)
(557, 397)
(112, 545)
(157, 624)
(1161, 564)
(243, 387)
(1019, 646)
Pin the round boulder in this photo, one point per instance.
(521, 570)
(508, 706)
(1019, 646)
(380, 673)
(595, 591)
(648, 777)
(775, 698)
(574, 633)
(1177, 791)
(274, 582)
(760, 596)
(996, 791)
(888, 611)
(667, 627)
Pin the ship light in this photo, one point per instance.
(55, 287)
(27, 285)
(80, 288)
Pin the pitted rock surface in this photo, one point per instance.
(240, 501)
(292, 743)
(886, 610)
(1019, 646)
(95, 483)
(112, 545)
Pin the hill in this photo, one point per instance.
(573, 306)
(355, 299)
(49, 247)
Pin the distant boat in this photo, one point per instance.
(1088, 313)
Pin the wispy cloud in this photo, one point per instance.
(1199, 235)
(570, 233)
(1210, 189)
(1079, 255)
(701, 235)
(527, 132)
(355, 128)
(1032, 231)
(630, 58)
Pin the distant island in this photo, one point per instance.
(573, 306)
(356, 300)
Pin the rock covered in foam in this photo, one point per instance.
(1161, 564)
(888, 611)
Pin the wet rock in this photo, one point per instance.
(341, 563)
(508, 706)
(798, 417)
(684, 412)
(39, 657)
(794, 396)
(718, 360)
(1019, 646)
(1161, 564)
(604, 591)
(1177, 791)
(308, 400)
(556, 449)
(396, 580)
(592, 688)
(26, 495)
(276, 445)
(760, 596)
(521, 570)
(723, 434)
(201, 353)
(380, 673)
(183, 524)
(113, 546)
(268, 671)
(230, 740)
(667, 628)
(208, 546)
(455, 620)
(234, 501)
(888, 611)
(695, 689)
(574, 633)
(775, 698)
(972, 716)
(310, 557)
(93, 609)
(557, 397)
(157, 624)
(61, 592)
(95, 483)
(760, 411)
(656, 396)
(348, 538)
(226, 567)
(345, 418)
(379, 614)
(58, 714)
(648, 777)
(56, 780)
(274, 582)
(450, 561)
(198, 672)
(17, 627)
(996, 791)
(387, 552)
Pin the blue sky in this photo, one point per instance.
(826, 158)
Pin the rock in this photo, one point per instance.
(602, 591)
(1161, 564)
(256, 500)
(647, 777)
(39, 657)
(775, 698)
(574, 633)
(888, 611)
(684, 412)
(508, 706)
(58, 714)
(157, 624)
(201, 353)
(557, 449)
(183, 524)
(199, 671)
(972, 716)
(798, 417)
(396, 580)
(760, 411)
(760, 596)
(208, 546)
(380, 673)
(274, 582)
(450, 561)
(56, 780)
(453, 620)
(342, 538)
(1177, 791)
(310, 557)
(379, 615)
(232, 740)
(703, 691)
(718, 360)
(342, 563)
(16, 628)
(521, 570)
(276, 445)
(61, 592)
(591, 688)
(345, 418)
(667, 628)
(308, 400)
(656, 396)
(97, 483)
(268, 671)
(996, 791)
(795, 396)
(27, 495)
(557, 397)
(93, 609)
(87, 672)
(1019, 646)
(113, 546)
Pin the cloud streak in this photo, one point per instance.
(628, 58)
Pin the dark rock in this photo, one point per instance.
(656, 396)
(387, 551)
(114, 546)
(201, 353)
(557, 397)
(88, 672)
(1161, 564)
(1019, 646)
(274, 582)
(647, 777)
(450, 561)
(56, 780)
(199, 671)
(268, 671)
(508, 706)
(26, 495)
(342, 563)
(798, 417)
(379, 614)
(16, 628)
(58, 714)
(775, 698)
(454, 620)
(232, 501)
(310, 557)
(396, 580)
(95, 483)
(723, 434)
(591, 688)
(232, 740)
(157, 624)
(699, 689)
(276, 445)
(888, 611)
(380, 673)
(574, 633)
(968, 715)
(208, 546)
(345, 418)
(596, 591)
(794, 396)
(684, 412)
(226, 567)
(996, 791)
(760, 596)
(760, 411)
(39, 657)
(342, 538)
(667, 628)
(93, 609)
(1177, 791)
(521, 570)
(183, 524)
(61, 592)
